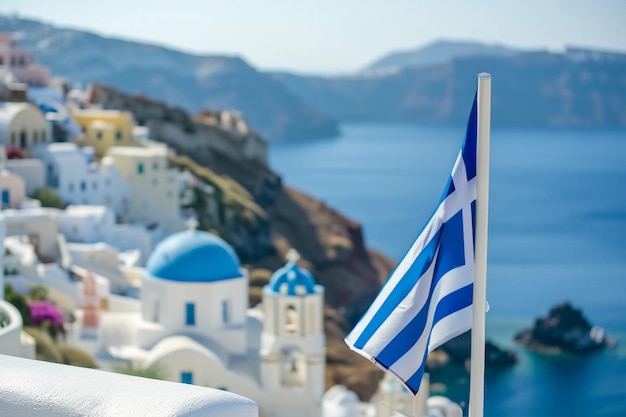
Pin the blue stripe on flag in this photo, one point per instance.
(450, 256)
(454, 302)
(449, 189)
(469, 147)
(401, 290)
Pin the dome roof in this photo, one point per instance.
(292, 280)
(193, 256)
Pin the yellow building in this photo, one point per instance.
(104, 129)
(153, 186)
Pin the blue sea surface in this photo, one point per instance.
(557, 231)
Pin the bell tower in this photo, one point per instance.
(293, 341)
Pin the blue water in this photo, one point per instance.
(557, 231)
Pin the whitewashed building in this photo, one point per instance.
(79, 181)
(39, 225)
(12, 189)
(22, 126)
(152, 184)
(193, 322)
(17, 61)
(31, 170)
(86, 224)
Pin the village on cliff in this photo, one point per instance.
(113, 257)
(106, 266)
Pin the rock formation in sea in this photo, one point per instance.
(565, 329)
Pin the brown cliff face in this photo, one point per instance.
(330, 244)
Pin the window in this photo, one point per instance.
(5, 197)
(99, 134)
(140, 168)
(155, 166)
(190, 314)
(291, 319)
(118, 135)
(225, 317)
(83, 185)
(186, 377)
(1, 60)
(43, 136)
(23, 139)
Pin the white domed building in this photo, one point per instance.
(193, 323)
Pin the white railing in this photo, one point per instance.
(30, 388)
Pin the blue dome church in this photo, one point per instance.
(193, 322)
(194, 283)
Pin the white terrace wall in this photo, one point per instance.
(31, 388)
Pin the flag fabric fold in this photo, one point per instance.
(427, 299)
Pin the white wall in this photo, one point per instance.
(33, 388)
(86, 224)
(128, 237)
(79, 182)
(31, 170)
(40, 222)
(172, 297)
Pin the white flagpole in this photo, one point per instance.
(477, 368)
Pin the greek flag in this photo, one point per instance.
(427, 300)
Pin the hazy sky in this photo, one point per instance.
(336, 35)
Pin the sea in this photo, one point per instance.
(557, 232)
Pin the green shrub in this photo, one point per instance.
(48, 197)
(38, 293)
(45, 348)
(76, 357)
(4, 319)
(152, 372)
(19, 302)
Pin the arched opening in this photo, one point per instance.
(291, 319)
(293, 368)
